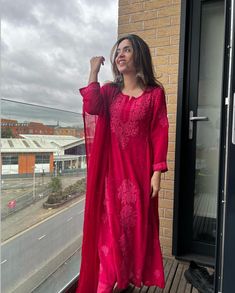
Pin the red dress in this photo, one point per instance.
(129, 248)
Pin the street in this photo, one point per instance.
(28, 252)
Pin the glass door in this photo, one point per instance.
(200, 124)
(205, 124)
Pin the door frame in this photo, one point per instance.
(225, 257)
(183, 204)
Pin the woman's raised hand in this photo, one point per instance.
(95, 64)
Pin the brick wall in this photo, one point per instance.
(158, 23)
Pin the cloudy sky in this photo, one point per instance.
(47, 45)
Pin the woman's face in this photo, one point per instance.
(125, 57)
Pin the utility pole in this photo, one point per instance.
(34, 185)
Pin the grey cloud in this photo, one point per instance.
(24, 12)
(54, 60)
(4, 47)
(61, 8)
(100, 3)
(18, 12)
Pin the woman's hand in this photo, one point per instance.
(95, 64)
(155, 183)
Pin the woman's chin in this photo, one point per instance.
(122, 70)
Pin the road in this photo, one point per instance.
(24, 254)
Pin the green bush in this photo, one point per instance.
(55, 184)
(58, 195)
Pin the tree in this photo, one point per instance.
(56, 194)
(55, 185)
(7, 133)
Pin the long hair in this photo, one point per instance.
(142, 61)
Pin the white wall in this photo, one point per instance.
(40, 167)
(10, 169)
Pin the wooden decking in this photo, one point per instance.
(174, 277)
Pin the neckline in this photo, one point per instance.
(132, 97)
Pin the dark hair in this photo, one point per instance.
(142, 61)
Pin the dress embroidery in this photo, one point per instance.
(127, 194)
(105, 249)
(125, 123)
(129, 248)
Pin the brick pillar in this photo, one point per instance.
(158, 23)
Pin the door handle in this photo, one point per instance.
(197, 118)
(194, 119)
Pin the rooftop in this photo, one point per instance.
(62, 141)
(19, 145)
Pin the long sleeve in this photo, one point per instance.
(97, 99)
(93, 99)
(159, 131)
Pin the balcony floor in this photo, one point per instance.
(174, 277)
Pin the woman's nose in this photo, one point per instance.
(121, 53)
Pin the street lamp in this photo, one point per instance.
(34, 187)
(55, 168)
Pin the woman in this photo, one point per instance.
(126, 159)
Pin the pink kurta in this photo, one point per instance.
(129, 248)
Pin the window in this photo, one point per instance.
(42, 159)
(37, 144)
(53, 42)
(25, 143)
(9, 159)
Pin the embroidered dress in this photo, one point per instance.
(128, 242)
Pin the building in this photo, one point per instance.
(25, 156)
(70, 151)
(9, 128)
(192, 44)
(42, 154)
(66, 131)
(38, 128)
(18, 128)
(66, 144)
